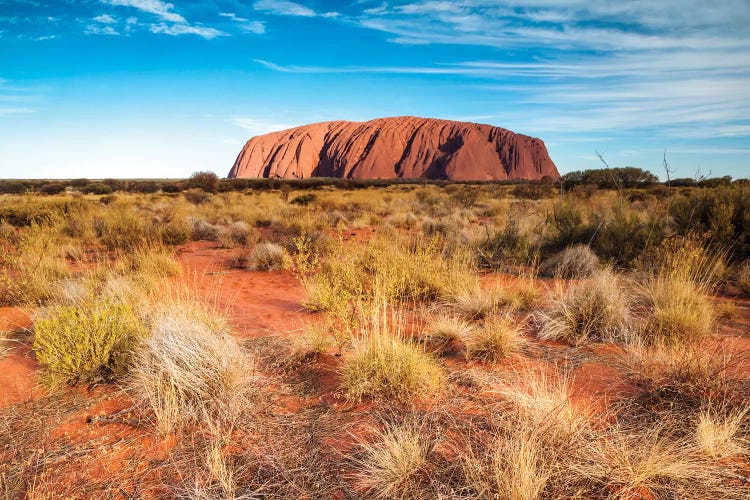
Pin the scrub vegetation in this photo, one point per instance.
(210, 338)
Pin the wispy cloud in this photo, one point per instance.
(257, 27)
(161, 9)
(104, 19)
(287, 8)
(186, 29)
(284, 8)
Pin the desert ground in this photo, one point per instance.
(428, 340)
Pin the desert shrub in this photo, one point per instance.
(190, 370)
(625, 237)
(596, 310)
(202, 229)
(568, 227)
(509, 244)
(176, 233)
(97, 188)
(267, 257)
(742, 277)
(303, 199)
(465, 196)
(394, 463)
(497, 338)
(574, 262)
(674, 309)
(123, 229)
(207, 181)
(53, 188)
(724, 212)
(241, 233)
(197, 196)
(89, 342)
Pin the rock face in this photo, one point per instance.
(405, 147)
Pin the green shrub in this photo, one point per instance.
(89, 342)
(623, 239)
(723, 212)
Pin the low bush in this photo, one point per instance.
(176, 233)
(267, 257)
(89, 342)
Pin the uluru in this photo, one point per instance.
(400, 147)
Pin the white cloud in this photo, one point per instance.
(233, 17)
(98, 29)
(284, 8)
(185, 29)
(156, 7)
(257, 27)
(45, 38)
(287, 8)
(104, 19)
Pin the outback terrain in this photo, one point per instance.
(218, 339)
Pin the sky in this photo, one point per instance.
(157, 89)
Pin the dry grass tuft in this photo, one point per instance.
(444, 332)
(384, 363)
(594, 310)
(514, 467)
(497, 338)
(645, 464)
(576, 262)
(187, 371)
(719, 435)
(266, 257)
(477, 303)
(394, 464)
(675, 310)
(543, 401)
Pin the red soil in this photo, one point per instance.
(270, 304)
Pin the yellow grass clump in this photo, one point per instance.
(595, 310)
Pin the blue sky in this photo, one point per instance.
(149, 88)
